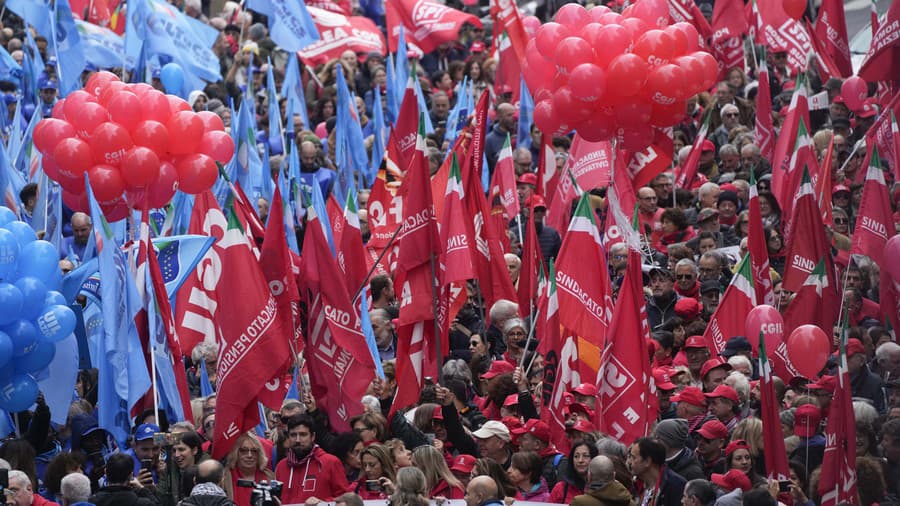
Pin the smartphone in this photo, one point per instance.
(373, 485)
(147, 465)
(784, 486)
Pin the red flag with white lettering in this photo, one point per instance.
(764, 131)
(456, 230)
(685, 174)
(882, 57)
(775, 454)
(503, 196)
(349, 246)
(532, 260)
(340, 32)
(875, 221)
(729, 25)
(808, 243)
(428, 24)
(385, 214)
(758, 250)
(838, 482)
(644, 165)
(507, 18)
(728, 319)
(778, 30)
(547, 174)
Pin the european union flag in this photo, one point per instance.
(178, 256)
(290, 25)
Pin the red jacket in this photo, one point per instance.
(320, 475)
(40, 501)
(443, 489)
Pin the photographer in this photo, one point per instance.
(207, 489)
(122, 489)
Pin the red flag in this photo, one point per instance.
(250, 326)
(561, 204)
(340, 32)
(685, 174)
(786, 178)
(823, 185)
(428, 24)
(778, 30)
(528, 273)
(883, 57)
(278, 268)
(688, 12)
(456, 230)
(824, 60)
(590, 163)
(336, 6)
(503, 196)
(838, 483)
(758, 250)
(507, 19)
(728, 319)
(775, 454)
(419, 241)
(784, 186)
(350, 251)
(729, 25)
(508, 76)
(92, 11)
(646, 164)
(479, 132)
(401, 145)
(585, 294)
(764, 131)
(816, 302)
(385, 214)
(546, 173)
(808, 244)
(875, 221)
(337, 354)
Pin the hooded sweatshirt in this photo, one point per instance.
(318, 474)
(610, 494)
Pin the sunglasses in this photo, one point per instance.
(732, 115)
(685, 276)
(840, 221)
(473, 344)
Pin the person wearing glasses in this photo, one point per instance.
(731, 118)
(247, 460)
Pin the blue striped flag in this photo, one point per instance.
(290, 25)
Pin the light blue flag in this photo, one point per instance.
(34, 12)
(11, 182)
(123, 374)
(392, 110)
(263, 424)
(25, 157)
(401, 73)
(288, 211)
(66, 41)
(366, 325)
(378, 147)
(298, 189)
(14, 142)
(423, 107)
(7, 426)
(54, 216)
(139, 72)
(318, 203)
(290, 25)
(172, 36)
(9, 69)
(350, 149)
(292, 88)
(72, 282)
(294, 391)
(103, 48)
(31, 71)
(206, 388)
(178, 256)
(58, 384)
(456, 117)
(90, 251)
(526, 117)
(276, 132)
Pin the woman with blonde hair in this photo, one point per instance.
(247, 460)
(409, 489)
(440, 481)
(376, 464)
(371, 427)
(400, 456)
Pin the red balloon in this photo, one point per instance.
(665, 84)
(635, 27)
(679, 40)
(531, 24)
(74, 184)
(598, 127)
(116, 210)
(217, 145)
(632, 114)
(854, 92)
(588, 82)
(212, 121)
(109, 142)
(111, 89)
(573, 51)
(693, 74)
(161, 191)
(596, 12)
(48, 136)
(637, 138)
(710, 68)
(566, 105)
(51, 168)
(794, 8)
(196, 173)
(106, 182)
(611, 18)
(140, 89)
(808, 348)
(614, 39)
(548, 37)
(74, 100)
(892, 250)
(152, 134)
(692, 36)
(653, 12)
(185, 129)
(59, 111)
(155, 106)
(656, 47)
(99, 80)
(125, 109)
(140, 166)
(626, 75)
(545, 117)
(573, 16)
(76, 201)
(177, 104)
(768, 320)
(73, 156)
(87, 117)
(668, 115)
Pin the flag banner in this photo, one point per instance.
(428, 23)
(764, 131)
(96, 12)
(775, 454)
(340, 32)
(729, 25)
(503, 196)
(290, 25)
(506, 15)
(883, 55)
(644, 165)
(103, 48)
(336, 6)
(782, 32)
(729, 317)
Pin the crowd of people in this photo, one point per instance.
(479, 432)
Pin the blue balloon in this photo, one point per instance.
(38, 259)
(6, 349)
(11, 300)
(9, 254)
(6, 216)
(23, 334)
(24, 234)
(53, 298)
(19, 393)
(56, 323)
(172, 77)
(33, 293)
(37, 359)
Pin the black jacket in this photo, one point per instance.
(867, 384)
(671, 489)
(687, 465)
(206, 500)
(121, 495)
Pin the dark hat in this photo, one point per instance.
(710, 285)
(727, 196)
(707, 213)
(833, 83)
(662, 272)
(735, 345)
(840, 123)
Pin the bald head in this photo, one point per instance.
(480, 490)
(81, 228)
(210, 471)
(601, 470)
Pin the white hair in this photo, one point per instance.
(511, 257)
(864, 412)
(687, 262)
(75, 487)
(886, 350)
(15, 474)
(371, 403)
(727, 108)
(205, 350)
(684, 153)
(740, 384)
(736, 360)
(706, 188)
(503, 310)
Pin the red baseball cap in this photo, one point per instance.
(695, 342)
(511, 400)
(737, 444)
(662, 377)
(867, 111)
(713, 429)
(582, 426)
(711, 364)
(732, 480)
(826, 382)
(707, 145)
(725, 392)
(463, 464)
(688, 308)
(528, 178)
(806, 420)
(497, 368)
(438, 414)
(588, 389)
(577, 406)
(691, 395)
(536, 201)
(854, 346)
(536, 428)
(511, 422)
(840, 188)
(477, 47)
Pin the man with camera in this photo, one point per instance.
(122, 489)
(144, 452)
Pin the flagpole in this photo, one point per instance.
(437, 324)
(153, 371)
(528, 341)
(377, 261)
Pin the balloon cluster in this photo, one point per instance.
(606, 74)
(132, 140)
(33, 315)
